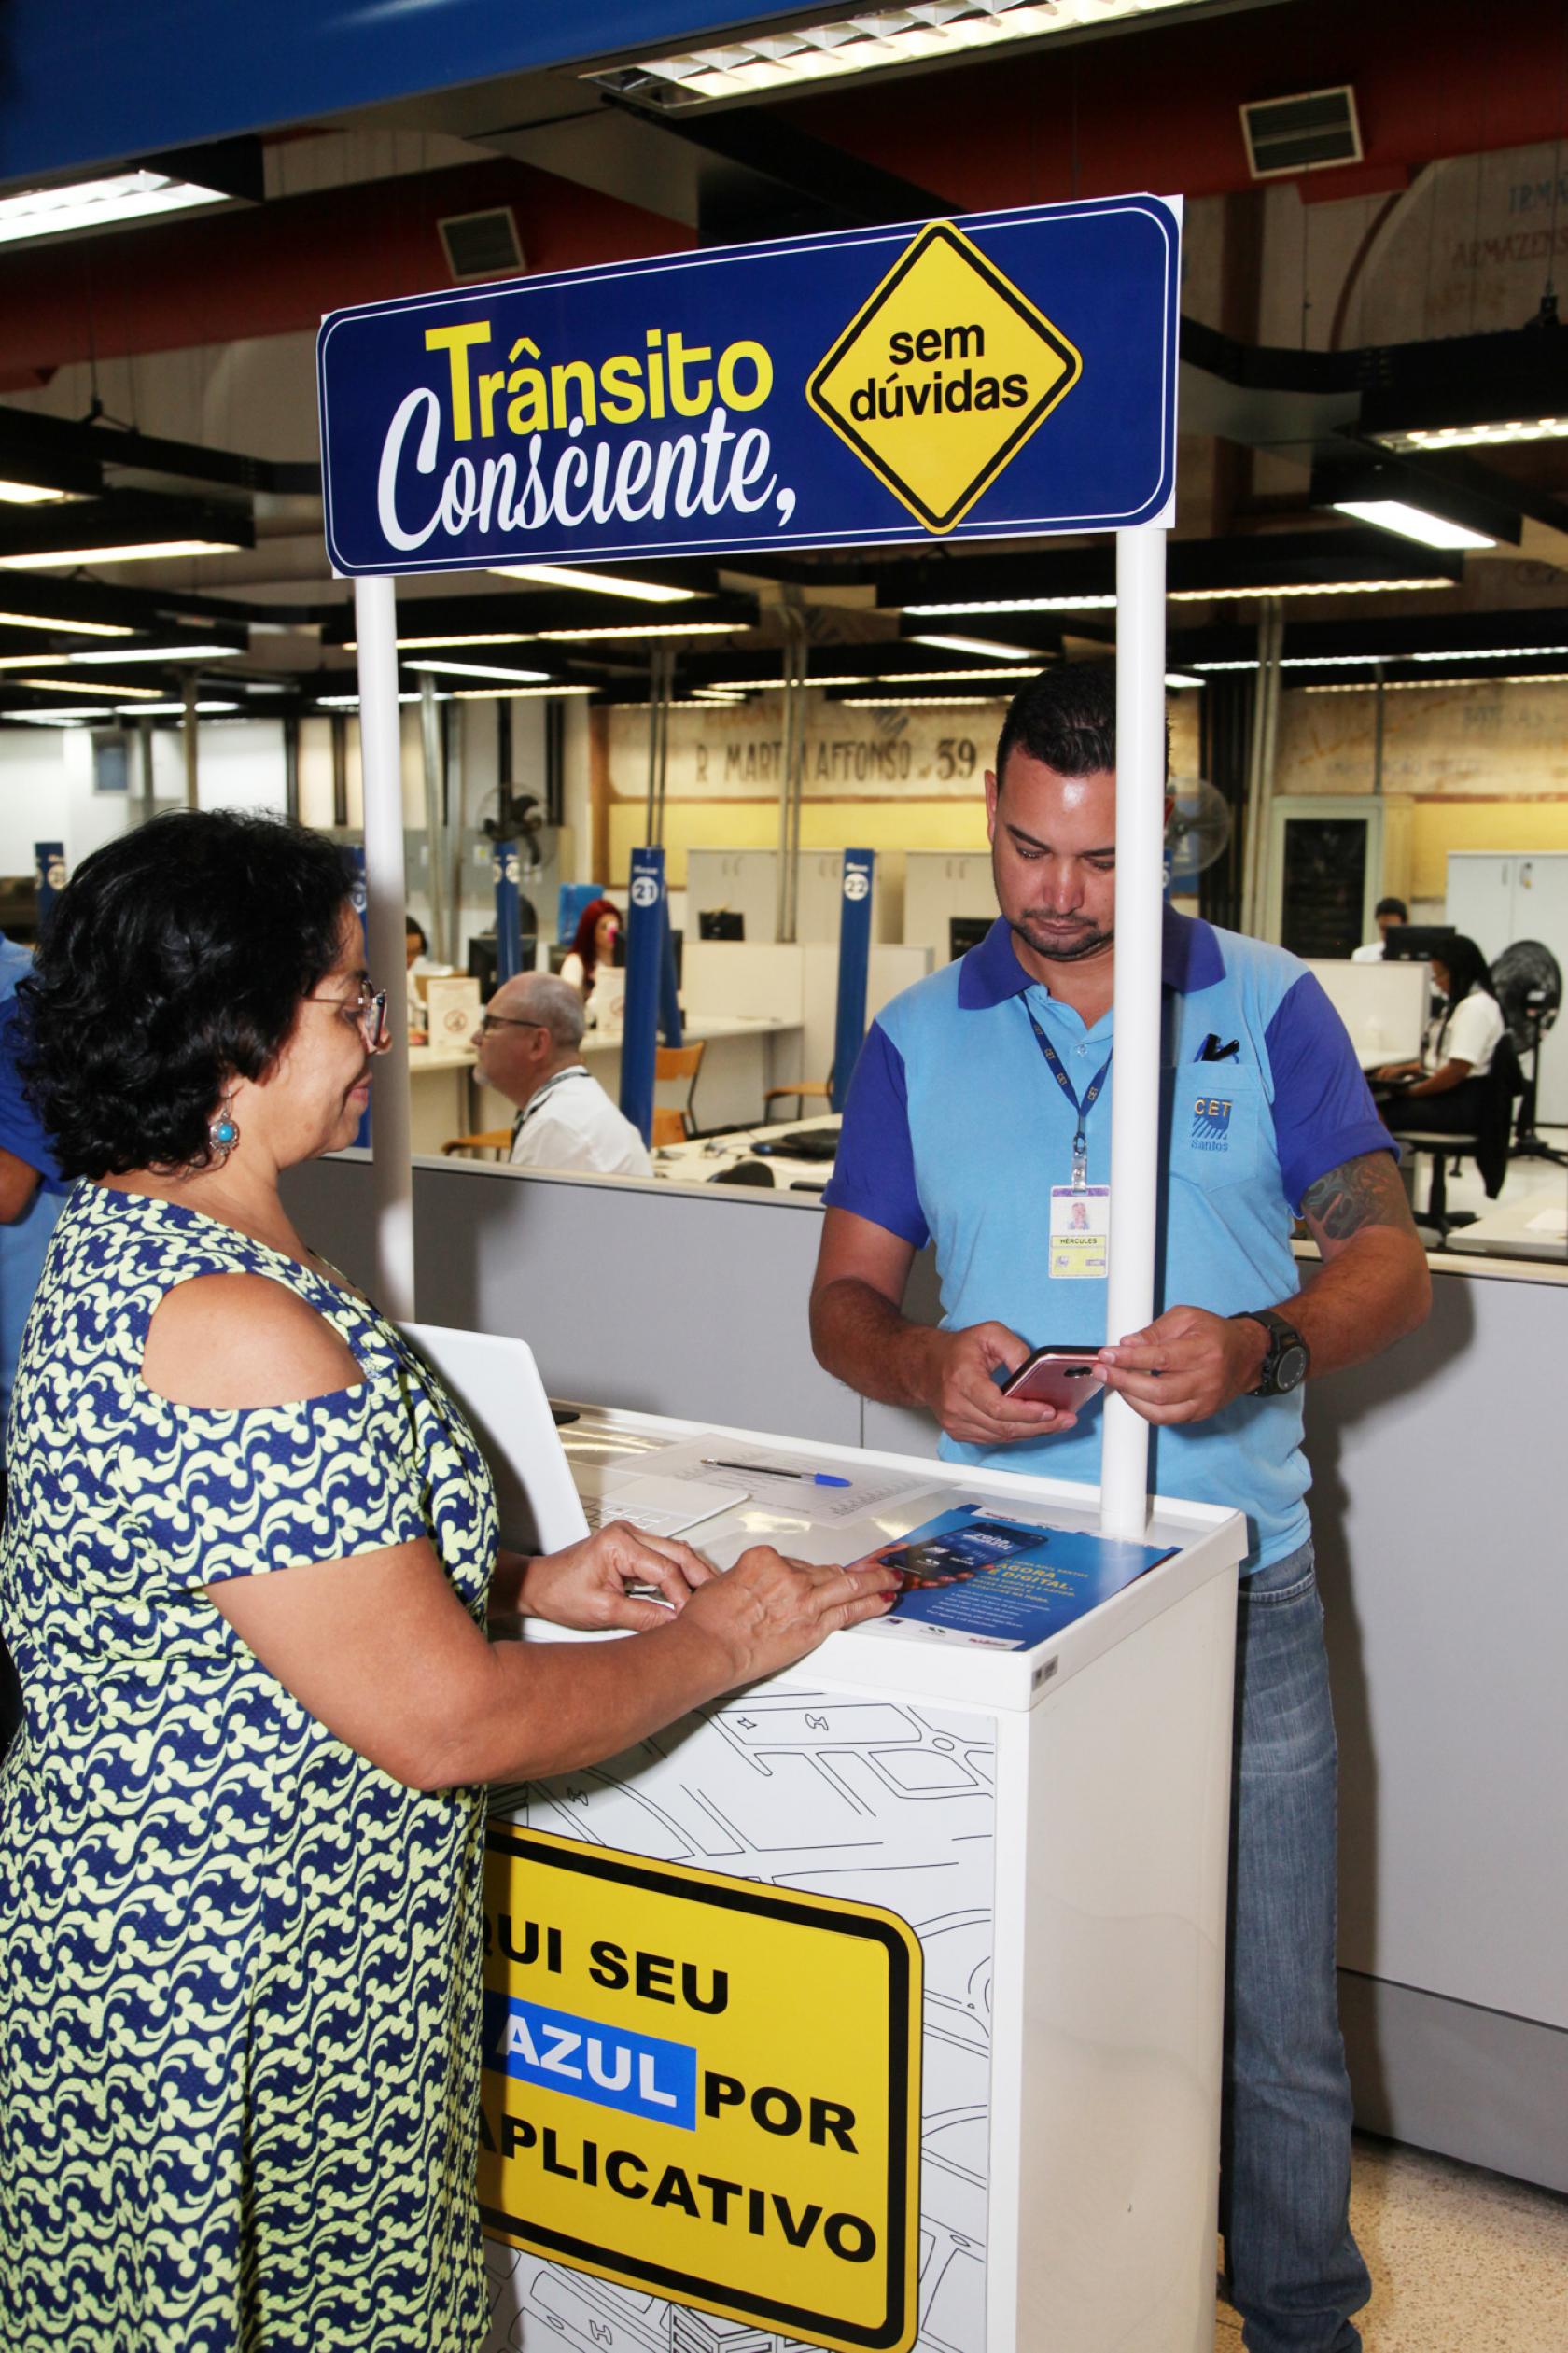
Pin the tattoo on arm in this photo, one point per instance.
(1358, 1193)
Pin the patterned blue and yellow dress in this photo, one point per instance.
(239, 1964)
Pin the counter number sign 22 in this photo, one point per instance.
(942, 375)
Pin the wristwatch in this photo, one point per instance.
(1285, 1365)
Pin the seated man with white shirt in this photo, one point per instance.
(530, 1042)
(1385, 914)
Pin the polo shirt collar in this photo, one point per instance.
(1190, 959)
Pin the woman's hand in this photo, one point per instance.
(768, 1611)
(584, 1585)
(1386, 1070)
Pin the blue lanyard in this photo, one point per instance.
(1081, 1109)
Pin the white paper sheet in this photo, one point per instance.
(770, 1480)
(660, 1506)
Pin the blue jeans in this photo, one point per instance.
(1294, 2271)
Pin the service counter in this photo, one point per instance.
(880, 2004)
(1437, 1507)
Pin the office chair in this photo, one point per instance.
(1488, 1145)
(1442, 1148)
(496, 1140)
(804, 1088)
(679, 1061)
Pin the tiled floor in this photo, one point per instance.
(1461, 2262)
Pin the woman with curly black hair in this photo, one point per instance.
(244, 1573)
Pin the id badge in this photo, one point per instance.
(1080, 1232)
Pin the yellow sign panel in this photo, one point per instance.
(942, 375)
(707, 2088)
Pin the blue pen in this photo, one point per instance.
(767, 1470)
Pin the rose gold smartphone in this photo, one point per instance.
(1066, 1378)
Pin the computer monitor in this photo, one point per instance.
(1416, 942)
(965, 931)
(721, 923)
(481, 964)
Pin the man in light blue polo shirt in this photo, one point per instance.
(979, 1118)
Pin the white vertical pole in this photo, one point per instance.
(1135, 1094)
(375, 608)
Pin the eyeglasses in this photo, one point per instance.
(488, 1021)
(367, 1009)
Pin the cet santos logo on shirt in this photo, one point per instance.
(1210, 1127)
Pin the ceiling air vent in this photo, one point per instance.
(482, 244)
(1308, 134)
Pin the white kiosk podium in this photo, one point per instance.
(881, 2005)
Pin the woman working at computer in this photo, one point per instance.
(1449, 1091)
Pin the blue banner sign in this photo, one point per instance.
(996, 376)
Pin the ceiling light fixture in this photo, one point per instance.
(898, 678)
(642, 591)
(453, 637)
(1413, 523)
(351, 702)
(957, 678)
(1174, 595)
(1178, 679)
(99, 204)
(1369, 660)
(176, 710)
(646, 629)
(516, 694)
(1302, 588)
(1015, 605)
(974, 645)
(1482, 654)
(927, 702)
(1435, 686)
(140, 552)
(195, 652)
(52, 661)
(927, 32)
(86, 715)
(1502, 434)
(775, 686)
(53, 623)
(34, 494)
(87, 686)
(479, 670)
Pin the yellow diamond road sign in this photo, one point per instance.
(942, 376)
